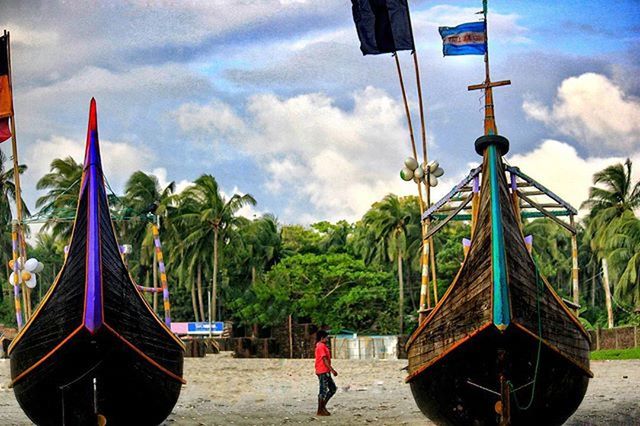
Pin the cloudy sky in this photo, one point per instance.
(274, 98)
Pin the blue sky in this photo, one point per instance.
(274, 98)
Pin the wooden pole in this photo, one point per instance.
(163, 276)
(290, 337)
(16, 272)
(155, 279)
(574, 260)
(428, 251)
(424, 276)
(607, 292)
(434, 279)
(16, 178)
(425, 157)
(209, 303)
(401, 295)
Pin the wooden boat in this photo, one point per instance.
(501, 347)
(94, 349)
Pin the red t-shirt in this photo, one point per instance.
(321, 351)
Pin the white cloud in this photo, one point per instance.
(325, 159)
(163, 180)
(119, 159)
(216, 117)
(167, 79)
(503, 28)
(558, 166)
(30, 37)
(594, 111)
(248, 211)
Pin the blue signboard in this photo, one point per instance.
(203, 327)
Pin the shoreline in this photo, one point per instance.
(222, 390)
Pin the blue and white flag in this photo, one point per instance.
(465, 39)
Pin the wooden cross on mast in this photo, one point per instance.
(488, 85)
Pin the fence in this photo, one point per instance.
(365, 347)
(615, 338)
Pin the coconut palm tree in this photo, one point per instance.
(7, 197)
(552, 247)
(616, 195)
(610, 225)
(263, 244)
(189, 254)
(391, 222)
(623, 248)
(59, 204)
(145, 202)
(209, 218)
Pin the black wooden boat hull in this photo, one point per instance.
(444, 392)
(127, 390)
(498, 304)
(94, 346)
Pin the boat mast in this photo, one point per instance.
(491, 146)
(21, 242)
(490, 127)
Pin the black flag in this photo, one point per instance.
(383, 26)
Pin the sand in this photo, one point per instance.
(222, 390)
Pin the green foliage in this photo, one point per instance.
(450, 253)
(330, 289)
(296, 239)
(7, 313)
(343, 275)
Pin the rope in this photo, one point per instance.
(620, 306)
(535, 373)
(112, 191)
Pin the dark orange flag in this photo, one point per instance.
(6, 99)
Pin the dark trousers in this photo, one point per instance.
(327, 386)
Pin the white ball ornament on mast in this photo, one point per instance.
(31, 282)
(411, 163)
(406, 174)
(31, 264)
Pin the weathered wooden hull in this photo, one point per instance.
(446, 395)
(97, 374)
(498, 301)
(94, 346)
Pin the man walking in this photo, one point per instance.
(324, 371)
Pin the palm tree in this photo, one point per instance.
(189, 254)
(335, 236)
(552, 247)
(49, 251)
(611, 216)
(145, 202)
(619, 192)
(7, 197)
(209, 218)
(263, 244)
(623, 247)
(391, 222)
(60, 202)
(618, 195)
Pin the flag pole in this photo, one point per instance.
(428, 254)
(16, 176)
(415, 155)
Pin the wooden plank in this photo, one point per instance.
(546, 213)
(448, 218)
(539, 186)
(491, 84)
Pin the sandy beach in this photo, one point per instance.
(222, 390)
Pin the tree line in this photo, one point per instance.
(259, 271)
